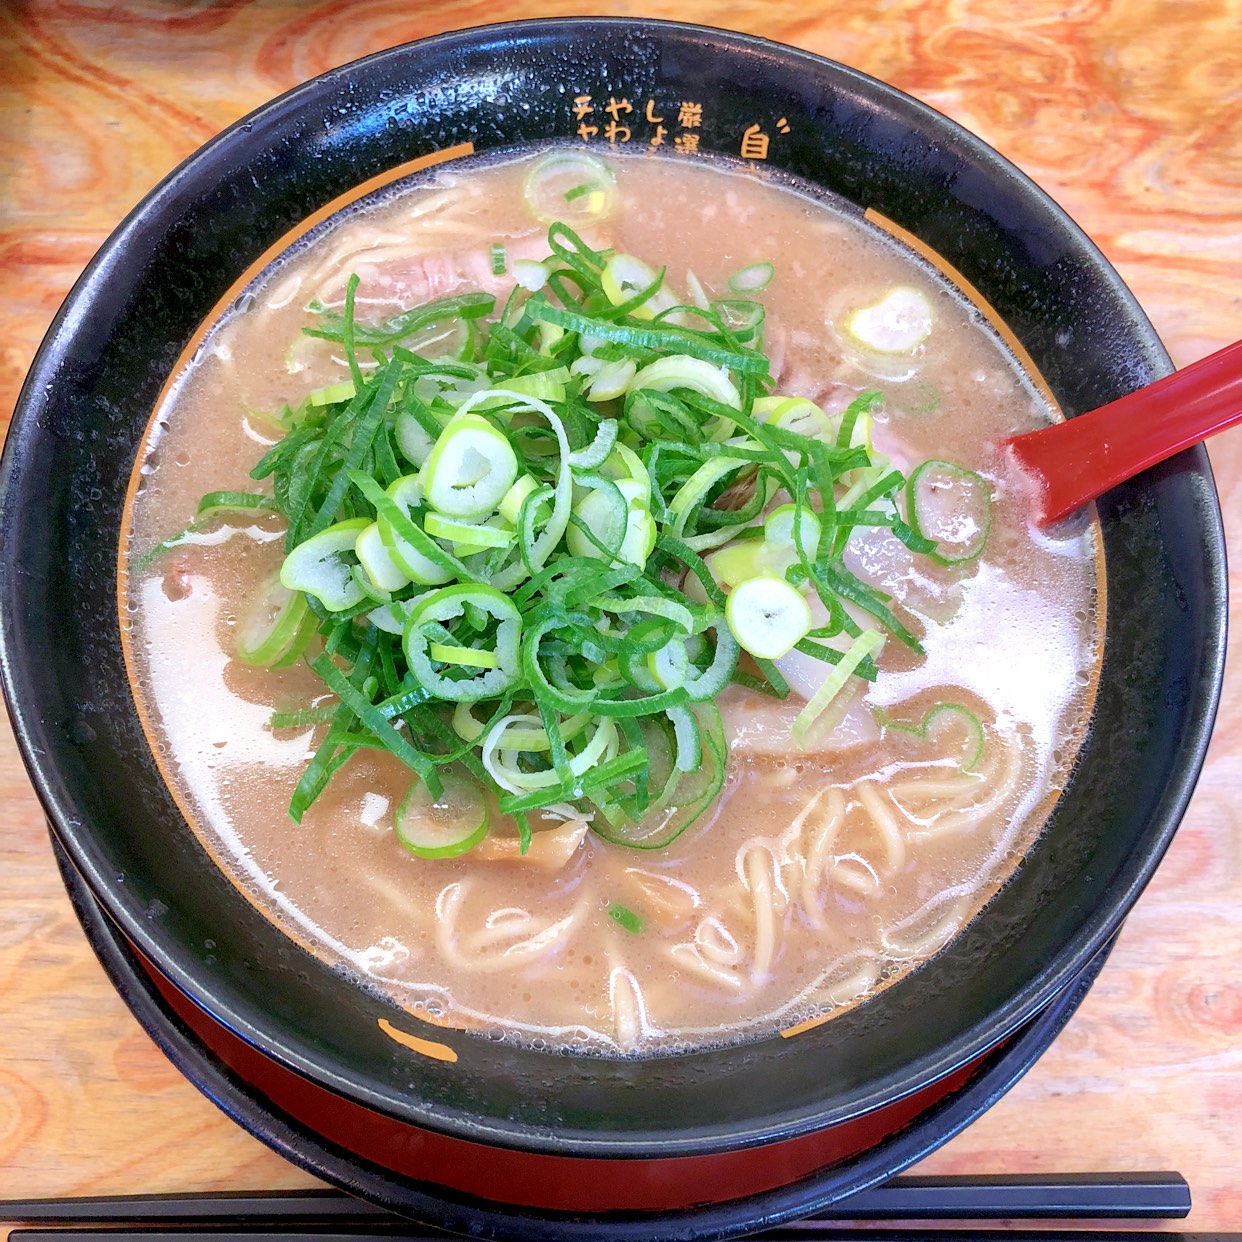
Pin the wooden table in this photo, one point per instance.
(1129, 112)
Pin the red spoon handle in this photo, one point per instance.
(1080, 459)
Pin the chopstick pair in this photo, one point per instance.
(331, 1216)
(804, 1232)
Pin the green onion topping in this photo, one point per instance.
(625, 918)
(526, 572)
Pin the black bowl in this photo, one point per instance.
(72, 445)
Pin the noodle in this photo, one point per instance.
(818, 857)
(764, 893)
(885, 823)
(674, 899)
(529, 938)
(713, 954)
(922, 944)
(854, 985)
(948, 818)
(854, 872)
(629, 1010)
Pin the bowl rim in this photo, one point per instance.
(29, 728)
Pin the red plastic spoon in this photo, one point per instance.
(1080, 459)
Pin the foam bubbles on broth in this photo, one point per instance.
(821, 875)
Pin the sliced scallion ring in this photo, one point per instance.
(795, 414)
(470, 469)
(443, 827)
(420, 564)
(562, 496)
(945, 718)
(473, 534)
(215, 504)
(374, 557)
(530, 275)
(682, 371)
(571, 187)
(778, 529)
(631, 283)
(670, 665)
(743, 317)
(952, 506)
(318, 566)
(446, 604)
(768, 616)
(624, 463)
(271, 624)
(626, 530)
(897, 324)
(753, 278)
(501, 761)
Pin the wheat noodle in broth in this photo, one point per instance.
(821, 874)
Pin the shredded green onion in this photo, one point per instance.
(625, 918)
(864, 646)
(545, 611)
(233, 502)
(942, 718)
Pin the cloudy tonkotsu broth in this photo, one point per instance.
(820, 874)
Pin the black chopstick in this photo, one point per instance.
(805, 1232)
(1097, 1196)
(1067, 1196)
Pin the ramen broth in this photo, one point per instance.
(820, 874)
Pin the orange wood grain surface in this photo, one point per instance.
(1129, 112)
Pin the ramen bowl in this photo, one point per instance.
(476, 1133)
